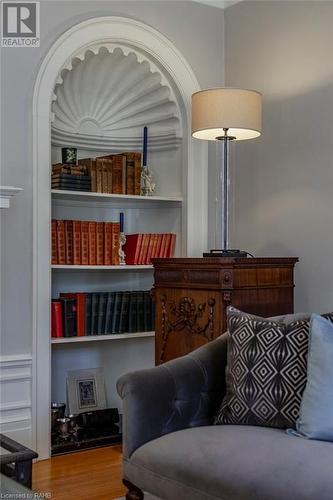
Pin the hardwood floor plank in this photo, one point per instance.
(93, 474)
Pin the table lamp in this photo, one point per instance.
(226, 114)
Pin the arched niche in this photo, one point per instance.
(149, 44)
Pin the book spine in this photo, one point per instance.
(61, 242)
(54, 247)
(117, 174)
(93, 176)
(137, 174)
(99, 176)
(146, 244)
(101, 313)
(172, 245)
(130, 174)
(80, 310)
(158, 246)
(68, 317)
(84, 243)
(139, 313)
(92, 243)
(123, 320)
(130, 248)
(87, 322)
(108, 313)
(108, 243)
(94, 313)
(77, 242)
(56, 319)
(150, 248)
(167, 245)
(69, 241)
(115, 243)
(104, 176)
(99, 243)
(109, 175)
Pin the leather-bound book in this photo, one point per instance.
(158, 246)
(56, 319)
(92, 243)
(116, 312)
(61, 242)
(132, 312)
(123, 320)
(167, 246)
(54, 259)
(94, 313)
(80, 305)
(163, 245)
(90, 163)
(85, 243)
(68, 317)
(119, 174)
(69, 241)
(108, 313)
(172, 245)
(146, 243)
(99, 243)
(139, 312)
(101, 313)
(108, 243)
(99, 175)
(87, 316)
(137, 174)
(132, 248)
(115, 243)
(150, 248)
(76, 242)
(130, 173)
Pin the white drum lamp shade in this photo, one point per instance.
(237, 110)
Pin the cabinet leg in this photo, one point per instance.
(134, 493)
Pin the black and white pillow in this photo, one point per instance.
(266, 369)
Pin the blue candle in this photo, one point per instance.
(145, 140)
(121, 221)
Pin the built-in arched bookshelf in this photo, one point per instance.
(158, 83)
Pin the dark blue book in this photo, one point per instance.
(108, 313)
(101, 313)
(87, 323)
(132, 313)
(116, 312)
(123, 320)
(94, 313)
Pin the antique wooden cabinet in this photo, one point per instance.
(192, 294)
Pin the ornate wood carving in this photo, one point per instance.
(186, 315)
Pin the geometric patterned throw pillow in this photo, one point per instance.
(266, 369)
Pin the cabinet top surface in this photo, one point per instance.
(213, 262)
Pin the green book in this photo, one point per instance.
(101, 313)
(139, 314)
(116, 312)
(108, 313)
(132, 313)
(123, 320)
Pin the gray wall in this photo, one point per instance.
(196, 30)
(283, 182)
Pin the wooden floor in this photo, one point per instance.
(94, 475)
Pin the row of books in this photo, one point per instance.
(117, 174)
(85, 242)
(141, 248)
(102, 313)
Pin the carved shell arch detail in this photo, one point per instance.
(105, 95)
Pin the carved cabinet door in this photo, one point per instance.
(185, 320)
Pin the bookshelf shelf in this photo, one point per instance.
(68, 267)
(98, 338)
(114, 199)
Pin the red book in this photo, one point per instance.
(76, 242)
(69, 241)
(158, 246)
(172, 245)
(167, 246)
(56, 319)
(80, 299)
(54, 242)
(100, 243)
(115, 243)
(145, 248)
(85, 243)
(132, 248)
(61, 242)
(108, 243)
(92, 243)
(163, 245)
(150, 248)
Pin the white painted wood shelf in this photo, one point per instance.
(6, 194)
(98, 338)
(128, 267)
(115, 199)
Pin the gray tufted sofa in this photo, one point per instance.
(173, 452)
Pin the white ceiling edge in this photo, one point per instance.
(221, 4)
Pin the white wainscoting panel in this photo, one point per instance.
(15, 397)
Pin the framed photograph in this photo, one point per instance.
(85, 390)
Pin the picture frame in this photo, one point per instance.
(85, 390)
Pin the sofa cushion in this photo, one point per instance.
(233, 463)
(266, 369)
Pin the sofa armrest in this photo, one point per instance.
(185, 392)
